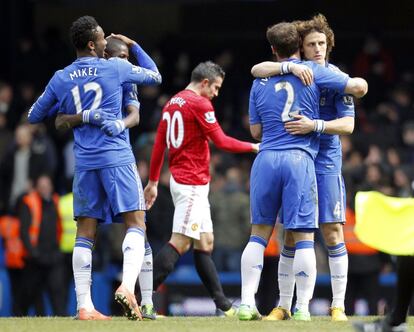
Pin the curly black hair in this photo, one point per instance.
(82, 31)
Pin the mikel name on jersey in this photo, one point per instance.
(90, 71)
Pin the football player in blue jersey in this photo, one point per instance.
(106, 180)
(120, 46)
(336, 110)
(283, 173)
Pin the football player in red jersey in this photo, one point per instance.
(188, 122)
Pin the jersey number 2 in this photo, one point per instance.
(91, 86)
(175, 129)
(289, 100)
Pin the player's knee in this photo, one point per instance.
(135, 219)
(182, 245)
(86, 229)
(332, 234)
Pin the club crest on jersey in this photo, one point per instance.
(210, 117)
(136, 69)
(194, 227)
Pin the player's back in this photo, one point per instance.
(275, 100)
(189, 118)
(90, 83)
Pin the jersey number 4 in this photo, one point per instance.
(175, 129)
(91, 86)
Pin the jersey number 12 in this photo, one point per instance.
(91, 86)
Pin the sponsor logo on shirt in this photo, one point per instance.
(348, 100)
(210, 117)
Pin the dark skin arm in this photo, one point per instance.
(68, 121)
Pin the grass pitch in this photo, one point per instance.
(175, 324)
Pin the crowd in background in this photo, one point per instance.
(379, 155)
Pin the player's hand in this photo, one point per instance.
(301, 126)
(97, 117)
(304, 73)
(113, 128)
(128, 41)
(256, 147)
(150, 194)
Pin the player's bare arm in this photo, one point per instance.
(303, 125)
(357, 86)
(270, 68)
(132, 118)
(67, 121)
(256, 131)
(94, 117)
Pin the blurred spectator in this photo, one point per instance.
(6, 136)
(14, 252)
(6, 97)
(27, 158)
(230, 212)
(41, 231)
(67, 241)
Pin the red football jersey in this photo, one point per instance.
(186, 121)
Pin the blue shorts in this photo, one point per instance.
(331, 198)
(105, 193)
(284, 178)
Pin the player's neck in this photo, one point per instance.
(194, 87)
(85, 53)
(295, 55)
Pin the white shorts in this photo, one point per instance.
(192, 209)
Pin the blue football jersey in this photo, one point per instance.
(91, 83)
(274, 101)
(332, 105)
(129, 97)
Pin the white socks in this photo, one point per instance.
(82, 269)
(304, 269)
(338, 265)
(251, 269)
(286, 278)
(133, 249)
(145, 276)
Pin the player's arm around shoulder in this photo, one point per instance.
(357, 86)
(269, 68)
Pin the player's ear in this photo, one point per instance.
(273, 50)
(205, 82)
(91, 45)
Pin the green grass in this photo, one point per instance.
(173, 324)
